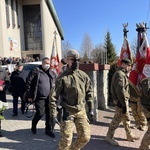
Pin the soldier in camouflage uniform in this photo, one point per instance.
(137, 110)
(145, 101)
(75, 88)
(120, 93)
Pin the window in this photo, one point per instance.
(13, 13)
(7, 14)
(32, 27)
(18, 23)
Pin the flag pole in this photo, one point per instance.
(125, 49)
(54, 55)
(125, 29)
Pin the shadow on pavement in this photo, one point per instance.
(25, 140)
(98, 123)
(110, 109)
(108, 117)
(100, 143)
(8, 115)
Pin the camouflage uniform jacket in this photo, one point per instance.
(145, 93)
(120, 87)
(75, 89)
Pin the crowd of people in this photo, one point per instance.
(72, 90)
(39, 87)
(14, 60)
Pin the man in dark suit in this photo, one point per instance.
(39, 83)
(18, 84)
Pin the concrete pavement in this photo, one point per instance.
(17, 134)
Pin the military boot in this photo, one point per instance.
(143, 128)
(132, 138)
(143, 148)
(112, 141)
(135, 126)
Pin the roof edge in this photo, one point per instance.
(55, 17)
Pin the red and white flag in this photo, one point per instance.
(125, 52)
(54, 64)
(146, 68)
(136, 73)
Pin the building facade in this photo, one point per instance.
(28, 27)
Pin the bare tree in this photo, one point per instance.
(98, 54)
(86, 46)
(133, 47)
(65, 47)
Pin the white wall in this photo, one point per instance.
(9, 33)
(48, 28)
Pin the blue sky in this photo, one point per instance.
(95, 17)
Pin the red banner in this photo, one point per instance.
(125, 51)
(54, 65)
(136, 73)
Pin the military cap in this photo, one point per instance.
(73, 53)
(19, 64)
(126, 61)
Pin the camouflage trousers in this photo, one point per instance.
(81, 123)
(138, 114)
(146, 139)
(118, 117)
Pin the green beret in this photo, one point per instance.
(126, 61)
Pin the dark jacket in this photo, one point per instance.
(18, 82)
(39, 83)
(4, 77)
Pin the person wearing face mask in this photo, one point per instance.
(120, 93)
(75, 89)
(38, 86)
(18, 85)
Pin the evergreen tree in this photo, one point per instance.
(109, 49)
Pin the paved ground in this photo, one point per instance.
(17, 134)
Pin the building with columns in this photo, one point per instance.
(27, 28)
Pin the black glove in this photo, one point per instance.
(91, 115)
(52, 122)
(124, 109)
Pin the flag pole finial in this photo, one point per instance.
(125, 29)
(141, 27)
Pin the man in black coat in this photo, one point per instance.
(18, 84)
(4, 84)
(39, 83)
